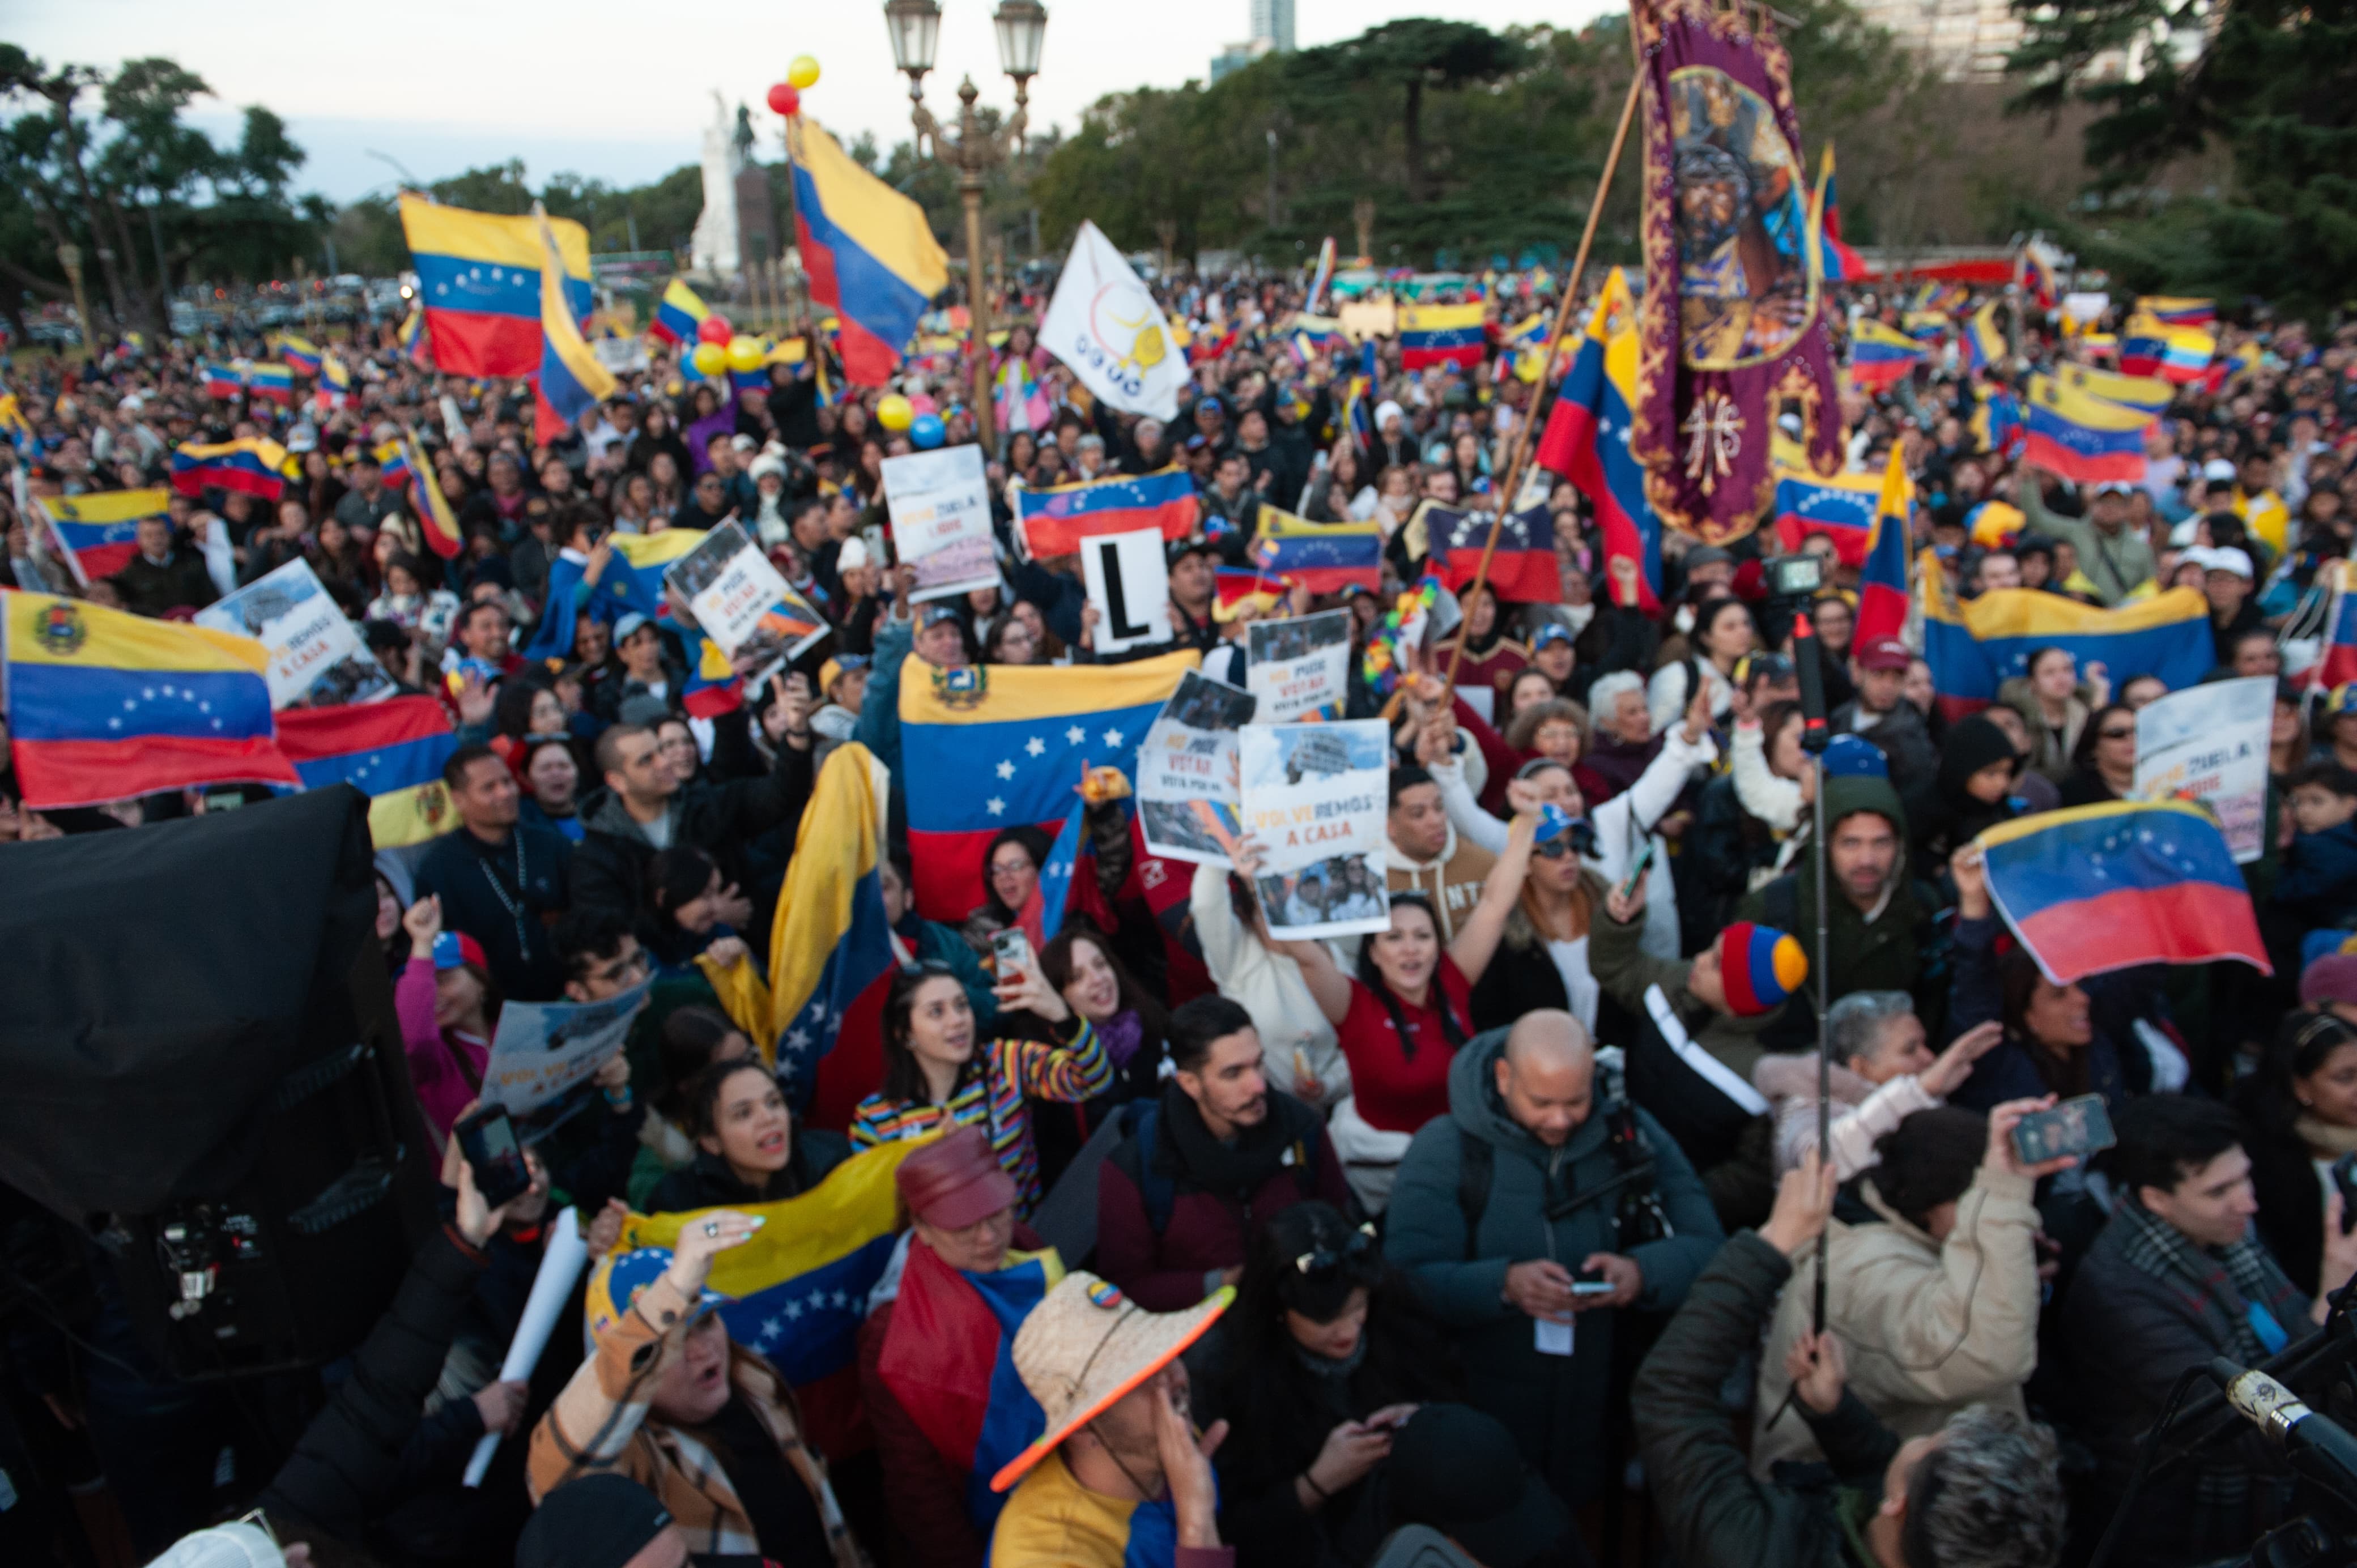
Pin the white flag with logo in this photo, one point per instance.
(1104, 324)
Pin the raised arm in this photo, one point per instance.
(1479, 935)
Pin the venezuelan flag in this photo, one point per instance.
(13, 423)
(2179, 354)
(1983, 343)
(274, 382)
(1325, 557)
(1055, 521)
(1838, 261)
(713, 687)
(1925, 326)
(1995, 525)
(435, 521)
(1974, 647)
(1235, 587)
(224, 381)
(335, 382)
(413, 346)
(1324, 274)
(799, 1288)
(1842, 508)
(868, 250)
(100, 530)
(391, 751)
(2083, 437)
(1587, 437)
(255, 464)
(571, 380)
(103, 705)
(1523, 568)
(2038, 270)
(1882, 599)
(2336, 665)
(478, 278)
(949, 1359)
(2147, 394)
(632, 581)
(1879, 357)
(2170, 311)
(1997, 424)
(678, 314)
(2131, 882)
(301, 354)
(1441, 334)
(1024, 732)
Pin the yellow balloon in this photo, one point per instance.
(710, 360)
(893, 413)
(744, 353)
(674, 387)
(802, 73)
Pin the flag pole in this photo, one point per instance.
(1519, 458)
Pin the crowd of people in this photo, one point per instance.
(1505, 1220)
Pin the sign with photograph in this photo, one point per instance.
(316, 659)
(742, 604)
(1313, 797)
(1188, 793)
(542, 1050)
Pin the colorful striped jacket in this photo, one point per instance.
(990, 1094)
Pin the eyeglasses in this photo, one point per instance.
(2128, 733)
(1320, 1262)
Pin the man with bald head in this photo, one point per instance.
(1536, 1212)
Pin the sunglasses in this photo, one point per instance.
(1319, 1262)
(2128, 733)
(1554, 848)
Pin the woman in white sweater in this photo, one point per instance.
(1299, 1053)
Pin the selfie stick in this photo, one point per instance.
(1815, 737)
(560, 1265)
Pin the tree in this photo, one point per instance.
(1413, 54)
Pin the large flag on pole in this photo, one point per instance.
(1103, 323)
(1587, 438)
(571, 380)
(869, 252)
(478, 278)
(1882, 586)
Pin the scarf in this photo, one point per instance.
(2326, 1137)
(1188, 1149)
(2234, 1278)
(1121, 1035)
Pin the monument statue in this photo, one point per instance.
(714, 247)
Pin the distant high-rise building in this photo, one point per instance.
(1273, 20)
(1963, 41)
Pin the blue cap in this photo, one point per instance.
(447, 954)
(1553, 822)
(1553, 631)
(618, 1282)
(1847, 757)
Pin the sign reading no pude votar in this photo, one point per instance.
(1297, 668)
(543, 1050)
(1314, 796)
(940, 505)
(1188, 793)
(2209, 743)
(742, 603)
(316, 657)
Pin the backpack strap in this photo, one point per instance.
(1476, 1162)
(1142, 1119)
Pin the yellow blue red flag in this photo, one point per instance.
(571, 380)
(869, 252)
(478, 279)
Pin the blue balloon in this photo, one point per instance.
(927, 432)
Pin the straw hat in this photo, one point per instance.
(1086, 1347)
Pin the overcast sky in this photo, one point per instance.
(622, 91)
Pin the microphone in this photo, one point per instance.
(2313, 1445)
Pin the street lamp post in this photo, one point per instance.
(1022, 27)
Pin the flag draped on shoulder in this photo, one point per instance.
(104, 705)
(478, 277)
(631, 580)
(869, 252)
(1588, 434)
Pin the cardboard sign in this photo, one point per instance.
(940, 505)
(742, 604)
(1298, 668)
(1314, 798)
(1128, 580)
(543, 1050)
(316, 657)
(1188, 792)
(2209, 743)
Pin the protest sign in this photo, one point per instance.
(1129, 582)
(316, 657)
(1297, 668)
(940, 505)
(2209, 743)
(545, 1049)
(1188, 793)
(1314, 802)
(742, 604)
(1103, 323)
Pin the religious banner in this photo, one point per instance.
(1731, 331)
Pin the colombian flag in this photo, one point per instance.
(103, 705)
(869, 250)
(478, 277)
(1971, 647)
(1326, 557)
(1022, 733)
(257, 465)
(1053, 522)
(678, 314)
(1587, 437)
(1441, 334)
(2130, 882)
(949, 1359)
(2083, 437)
(273, 382)
(391, 751)
(1882, 599)
(100, 530)
(300, 353)
(1879, 357)
(1842, 508)
(800, 1287)
(571, 380)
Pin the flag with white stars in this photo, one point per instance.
(799, 1288)
(478, 279)
(2109, 886)
(1974, 645)
(997, 747)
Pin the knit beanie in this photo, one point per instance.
(1761, 966)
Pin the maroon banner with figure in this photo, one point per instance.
(1732, 331)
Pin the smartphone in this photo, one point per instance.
(1590, 1282)
(488, 1139)
(1010, 951)
(2344, 1180)
(2078, 1127)
(1637, 868)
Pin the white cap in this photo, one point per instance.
(2182, 534)
(853, 556)
(2227, 558)
(2219, 468)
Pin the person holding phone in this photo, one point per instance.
(747, 1148)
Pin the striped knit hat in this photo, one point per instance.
(1761, 966)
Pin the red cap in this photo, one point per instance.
(955, 1181)
(1884, 654)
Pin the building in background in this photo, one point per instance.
(1272, 33)
(1963, 40)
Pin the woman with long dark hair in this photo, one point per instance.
(747, 1149)
(2301, 1108)
(938, 1072)
(1325, 1355)
(2103, 763)
(692, 1039)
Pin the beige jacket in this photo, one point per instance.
(1928, 1327)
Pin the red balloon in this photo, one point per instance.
(785, 99)
(715, 329)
